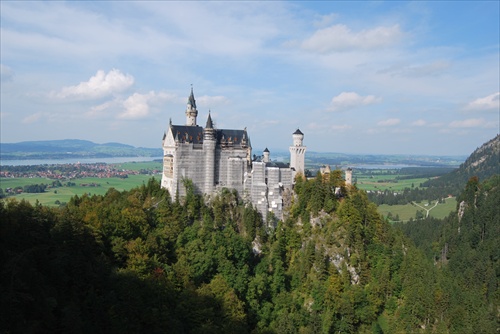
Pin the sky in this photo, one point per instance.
(362, 77)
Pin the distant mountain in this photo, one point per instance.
(71, 148)
(484, 162)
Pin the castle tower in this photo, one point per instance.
(191, 111)
(209, 142)
(266, 155)
(348, 176)
(297, 153)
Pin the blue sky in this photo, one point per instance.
(356, 77)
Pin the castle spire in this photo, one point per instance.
(209, 122)
(191, 99)
(191, 111)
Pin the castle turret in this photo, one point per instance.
(297, 153)
(348, 176)
(209, 142)
(266, 155)
(191, 111)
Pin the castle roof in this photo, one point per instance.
(209, 122)
(191, 99)
(266, 150)
(235, 137)
(278, 164)
(224, 137)
(298, 132)
(186, 133)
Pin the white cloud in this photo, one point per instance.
(138, 105)
(485, 103)
(325, 20)
(389, 122)
(340, 38)
(419, 122)
(100, 85)
(469, 123)
(425, 70)
(32, 118)
(103, 109)
(6, 73)
(342, 127)
(349, 100)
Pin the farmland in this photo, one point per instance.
(90, 185)
(408, 211)
(371, 180)
(137, 173)
(396, 181)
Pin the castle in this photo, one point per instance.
(222, 158)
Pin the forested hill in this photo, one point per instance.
(135, 261)
(483, 163)
(464, 247)
(71, 148)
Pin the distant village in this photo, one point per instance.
(70, 171)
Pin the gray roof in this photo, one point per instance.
(191, 99)
(277, 164)
(209, 122)
(226, 136)
(190, 134)
(194, 134)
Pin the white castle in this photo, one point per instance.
(222, 158)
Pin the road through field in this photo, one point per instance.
(427, 210)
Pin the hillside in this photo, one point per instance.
(71, 148)
(465, 248)
(483, 163)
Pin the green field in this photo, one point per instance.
(147, 165)
(407, 211)
(385, 180)
(63, 194)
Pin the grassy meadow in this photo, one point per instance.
(407, 211)
(385, 179)
(64, 193)
(148, 165)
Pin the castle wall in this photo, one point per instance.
(190, 164)
(286, 177)
(230, 168)
(258, 192)
(274, 192)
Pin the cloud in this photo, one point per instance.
(349, 100)
(416, 71)
(32, 118)
(342, 127)
(485, 103)
(103, 109)
(419, 122)
(339, 37)
(138, 105)
(473, 123)
(326, 127)
(389, 122)
(325, 20)
(6, 73)
(100, 85)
